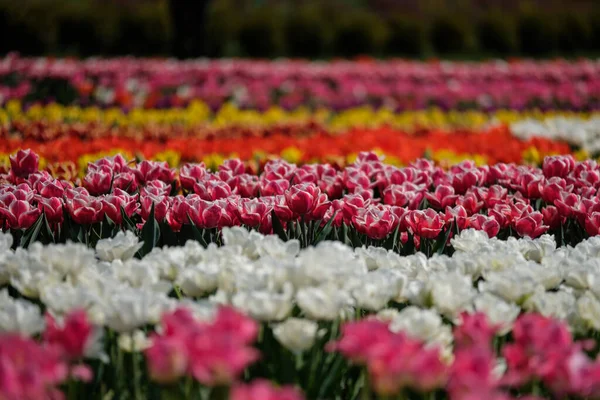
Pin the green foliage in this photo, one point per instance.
(306, 33)
(536, 34)
(358, 33)
(496, 34)
(449, 35)
(406, 37)
(144, 31)
(574, 34)
(260, 33)
(595, 30)
(308, 29)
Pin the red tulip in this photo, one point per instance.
(375, 222)
(552, 188)
(125, 181)
(426, 224)
(245, 185)
(442, 197)
(282, 211)
(592, 224)
(530, 224)
(566, 203)
(99, 181)
(302, 199)
(458, 214)
(212, 189)
(84, 209)
(470, 202)
(495, 194)
(19, 214)
(153, 170)
(274, 187)
(252, 212)
(53, 209)
(189, 174)
(113, 203)
(161, 205)
(235, 166)
(49, 188)
(559, 166)
(489, 225)
(23, 163)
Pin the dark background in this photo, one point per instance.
(325, 29)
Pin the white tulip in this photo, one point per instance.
(498, 311)
(264, 305)
(122, 247)
(323, 303)
(296, 334)
(19, 316)
(588, 309)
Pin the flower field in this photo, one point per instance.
(293, 230)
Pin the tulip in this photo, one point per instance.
(530, 225)
(375, 222)
(167, 359)
(442, 197)
(24, 163)
(19, 214)
(426, 224)
(212, 190)
(151, 170)
(489, 225)
(592, 224)
(264, 390)
(99, 181)
(52, 208)
(559, 166)
(189, 174)
(253, 212)
(273, 187)
(84, 210)
(73, 337)
(302, 199)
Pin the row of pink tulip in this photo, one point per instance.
(377, 200)
(338, 85)
(213, 354)
(542, 358)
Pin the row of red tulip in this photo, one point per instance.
(377, 200)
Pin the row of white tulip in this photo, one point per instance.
(583, 133)
(267, 278)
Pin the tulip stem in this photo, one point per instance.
(136, 371)
(303, 229)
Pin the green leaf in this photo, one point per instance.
(197, 234)
(150, 234)
(128, 224)
(278, 227)
(440, 245)
(392, 240)
(32, 233)
(169, 238)
(409, 247)
(48, 231)
(354, 237)
(324, 233)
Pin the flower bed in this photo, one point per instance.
(290, 84)
(497, 318)
(367, 202)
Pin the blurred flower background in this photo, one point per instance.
(299, 199)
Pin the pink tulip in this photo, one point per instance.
(24, 163)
